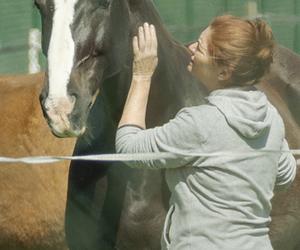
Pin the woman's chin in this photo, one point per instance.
(190, 68)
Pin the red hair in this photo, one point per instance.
(244, 46)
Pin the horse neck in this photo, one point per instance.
(173, 87)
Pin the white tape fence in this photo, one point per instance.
(135, 157)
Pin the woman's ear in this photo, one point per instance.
(224, 74)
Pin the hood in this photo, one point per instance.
(247, 111)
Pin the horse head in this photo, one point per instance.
(81, 53)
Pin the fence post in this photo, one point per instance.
(34, 43)
(252, 10)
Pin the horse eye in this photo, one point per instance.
(97, 53)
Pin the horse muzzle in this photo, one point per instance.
(57, 112)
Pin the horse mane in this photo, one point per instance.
(173, 59)
(146, 11)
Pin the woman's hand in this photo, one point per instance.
(144, 64)
(145, 51)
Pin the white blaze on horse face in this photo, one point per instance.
(61, 48)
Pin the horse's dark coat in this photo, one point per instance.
(116, 206)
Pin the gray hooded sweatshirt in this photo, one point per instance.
(219, 202)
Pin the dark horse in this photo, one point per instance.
(88, 45)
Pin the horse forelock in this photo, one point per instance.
(61, 48)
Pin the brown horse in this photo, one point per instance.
(282, 86)
(32, 197)
(90, 52)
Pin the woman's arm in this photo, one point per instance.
(176, 136)
(179, 136)
(144, 64)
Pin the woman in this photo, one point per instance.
(219, 202)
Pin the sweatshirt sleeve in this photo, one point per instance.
(178, 136)
(286, 169)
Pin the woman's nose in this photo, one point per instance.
(192, 47)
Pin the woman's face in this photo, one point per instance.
(201, 64)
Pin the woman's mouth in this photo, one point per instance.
(192, 59)
(190, 66)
